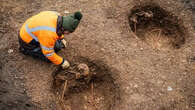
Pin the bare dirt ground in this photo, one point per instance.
(147, 77)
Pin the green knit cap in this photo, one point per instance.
(71, 22)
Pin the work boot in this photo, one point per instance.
(22, 50)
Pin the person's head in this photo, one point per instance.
(70, 23)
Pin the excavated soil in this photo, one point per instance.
(132, 70)
(97, 92)
(157, 27)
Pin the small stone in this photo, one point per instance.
(85, 97)
(135, 85)
(169, 88)
(94, 73)
(66, 12)
(185, 73)
(102, 49)
(85, 107)
(10, 51)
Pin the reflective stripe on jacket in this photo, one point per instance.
(42, 28)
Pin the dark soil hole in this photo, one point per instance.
(28, 105)
(97, 92)
(157, 27)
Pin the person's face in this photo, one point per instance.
(66, 32)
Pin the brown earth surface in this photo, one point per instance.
(136, 74)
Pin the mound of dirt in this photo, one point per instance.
(97, 90)
(157, 27)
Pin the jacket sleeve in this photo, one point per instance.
(53, 57)
(47, 44)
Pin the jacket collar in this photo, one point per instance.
(59, 27)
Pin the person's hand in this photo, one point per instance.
(64, 42)
(65, 65)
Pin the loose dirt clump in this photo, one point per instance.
(85, 86)
(157, 27)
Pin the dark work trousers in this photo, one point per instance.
(33, 48)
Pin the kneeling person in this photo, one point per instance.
(41, 36)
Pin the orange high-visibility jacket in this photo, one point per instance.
(42, 28)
